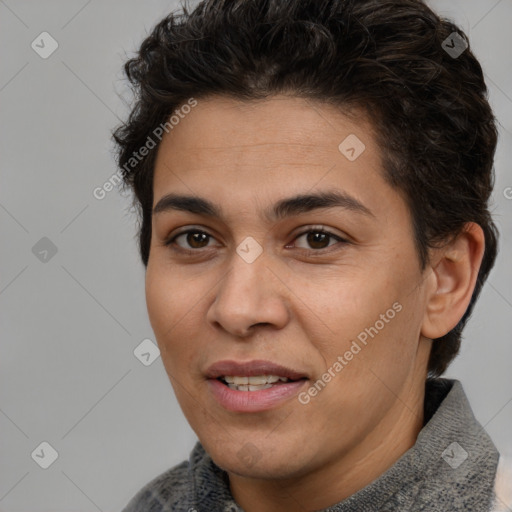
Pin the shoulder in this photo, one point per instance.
(169, 491)
(503, 485)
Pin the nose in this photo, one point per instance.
(249, 295)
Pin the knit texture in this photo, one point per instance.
(435, 475)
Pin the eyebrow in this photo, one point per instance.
(284, 208)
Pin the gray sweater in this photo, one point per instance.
(451, 468)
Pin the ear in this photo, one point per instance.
(453, 280)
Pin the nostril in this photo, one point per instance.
(264, 324)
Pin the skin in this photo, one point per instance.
(300, 303)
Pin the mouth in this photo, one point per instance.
(254, 383)
(253, 386)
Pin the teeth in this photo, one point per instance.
(257, 388)
(253, 383)
(255, 380)
(248, 387)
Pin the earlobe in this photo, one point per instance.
(453, 280)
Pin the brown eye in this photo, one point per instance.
(194, 239)
(197, 239)
(318, 239)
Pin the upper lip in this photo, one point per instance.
(251, 369)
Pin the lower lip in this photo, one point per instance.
(254, 401)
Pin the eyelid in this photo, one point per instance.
(321, 229)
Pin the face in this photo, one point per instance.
(327, 288)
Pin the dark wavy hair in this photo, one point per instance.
(433, 122)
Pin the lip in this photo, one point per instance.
(251, 369)
(253, 401)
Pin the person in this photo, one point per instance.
(312, 179)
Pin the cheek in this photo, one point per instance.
(158, 301)
(373, 375)
(388, 351)
(374, 324)
(350, 307)
(167, 307)
(168, 297)
(176, 311)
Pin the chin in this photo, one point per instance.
(263, 468)
(257, 459)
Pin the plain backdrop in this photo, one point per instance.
(72, 285)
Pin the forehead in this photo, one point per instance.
(221, 122)
(245, 155)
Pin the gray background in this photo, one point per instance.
(70, 324)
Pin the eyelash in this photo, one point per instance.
(311, 252)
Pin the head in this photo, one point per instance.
(289, 117)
